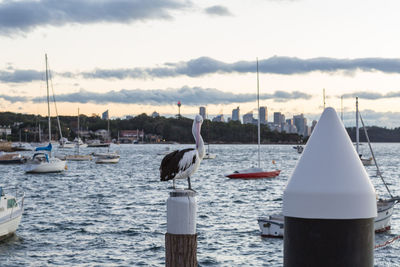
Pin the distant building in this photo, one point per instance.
(5, 130)
(105, 115)
(248, 118)
(155, 114)
(129, 136)
(236, 114)
(279, 118)
(102, 134)
(300, 122)
(202, 112)
(219, 118)
(289, 126)
(263, 115)
(313, 124)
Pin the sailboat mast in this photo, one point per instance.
(48, 98)
(78, 133)
(357, 130)
(258, 110)
(341, 107)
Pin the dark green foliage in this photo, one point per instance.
(170, 129)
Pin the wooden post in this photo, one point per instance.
(329, 202)
(181, 237)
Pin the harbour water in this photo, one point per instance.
(115, 215)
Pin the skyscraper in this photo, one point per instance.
(104, 116)
(202, 112)
(236, 114)
(263, 115)
(248, 118)
(301, 124)
(279, 118)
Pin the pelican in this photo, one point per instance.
(181, 164)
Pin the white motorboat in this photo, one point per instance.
(64, 143)
(209, 156)
(78, 157)
(78, 141)
(22, 147)
(107, 158)
(299, 149)
(11, 209)
(273, 226)
(11, 158)
(42, 163)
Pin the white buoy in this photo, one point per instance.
(181, 237)
(329, 202)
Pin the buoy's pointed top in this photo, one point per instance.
(329, 180)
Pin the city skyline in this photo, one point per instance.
(156, 53)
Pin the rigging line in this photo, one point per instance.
(373, 156)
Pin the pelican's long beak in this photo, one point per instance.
(198, 127)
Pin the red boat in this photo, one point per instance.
(255, 173)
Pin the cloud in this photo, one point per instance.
(217, 11)
(274, 65)
(20, 76)
(14, 99)
(25, 15)
(207, 66)
(191, 96)
(372, 95)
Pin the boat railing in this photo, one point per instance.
(19, 195)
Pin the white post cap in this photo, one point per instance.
(181, 212)
(329, 180)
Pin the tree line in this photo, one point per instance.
(179, 129)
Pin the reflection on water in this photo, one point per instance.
(116, 214)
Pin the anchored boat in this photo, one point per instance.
(11, 209)
(273, 225)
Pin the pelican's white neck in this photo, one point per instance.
(199, 140)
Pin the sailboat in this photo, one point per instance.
(208, 154)
(42, 162)
(107, 157)
(77, 156)
(255, 173)
(368, 161)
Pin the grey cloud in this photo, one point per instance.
(14, 99)
(20, 76)
(218, 11)
(24, 16)
(372, 95)
(206, 66)
(188, 95)
(274, 65)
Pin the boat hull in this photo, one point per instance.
(210, 156)
(273, 226)
(54, 165)
(107, 161)
(8, 225)
(79, 158)
(254, 175)
(367, 162)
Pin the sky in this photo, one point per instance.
(131, 56)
